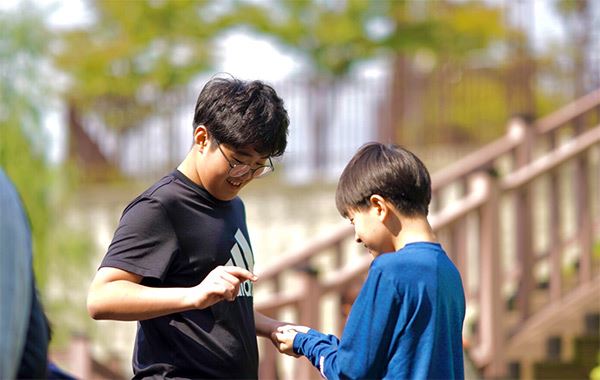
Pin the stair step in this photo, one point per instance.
(587, 349)
(585, 354)
(559, 371)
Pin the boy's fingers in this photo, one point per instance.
(241, 273)
(285, 335)
(294, 328)
(228, 277)
(230, 293)
(301, 329)
(223, 290)
(282, 337)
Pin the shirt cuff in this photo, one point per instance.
(300, 338)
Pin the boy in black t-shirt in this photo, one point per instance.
(180, 261)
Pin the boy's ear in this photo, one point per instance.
(201, 136)
(379, 206)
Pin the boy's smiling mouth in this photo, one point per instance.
(234, 183)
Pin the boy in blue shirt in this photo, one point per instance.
(406, 322)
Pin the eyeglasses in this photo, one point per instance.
(240, 170)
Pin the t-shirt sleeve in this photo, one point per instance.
(363, 350)
(316, 346)
(144, 242)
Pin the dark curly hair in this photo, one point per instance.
(243, 114)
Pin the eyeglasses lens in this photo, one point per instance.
(242, 170)
(239, 170)
(261, 172)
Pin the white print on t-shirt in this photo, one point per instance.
(242, 256)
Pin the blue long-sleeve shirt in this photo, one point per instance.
(406, 323)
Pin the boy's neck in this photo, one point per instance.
(188, 168)
(414, 230)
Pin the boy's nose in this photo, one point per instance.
(357, 238)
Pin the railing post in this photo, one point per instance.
(584, 220)
(523, 217)
(342, 296)
(308, 315)
(80, 356)
(554, 232)
(491, 329)
(268, 365)
(459, 247)
(459, 252)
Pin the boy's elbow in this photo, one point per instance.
(94, 307)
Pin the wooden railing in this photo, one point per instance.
(503, 215)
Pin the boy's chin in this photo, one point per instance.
(375, 253)
(226, 197)
(226, 193)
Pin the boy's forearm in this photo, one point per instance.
(118, 294)
(265, 326)
(127, 301)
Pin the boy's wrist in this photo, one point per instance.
(192, 300)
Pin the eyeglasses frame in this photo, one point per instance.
(250, 169)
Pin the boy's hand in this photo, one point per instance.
(223, 283)
(284, 338)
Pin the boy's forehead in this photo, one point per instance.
(351, 212)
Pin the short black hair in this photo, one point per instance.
(243, 114)
(391, 171)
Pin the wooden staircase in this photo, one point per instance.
(520, 212)
(544, 341)
(586, 348)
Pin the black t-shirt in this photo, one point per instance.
(173, 235)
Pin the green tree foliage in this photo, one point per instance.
(60, 251)
(334, 35)
(135, 51)
(157, 45)
(22, 99)
(25, 96)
